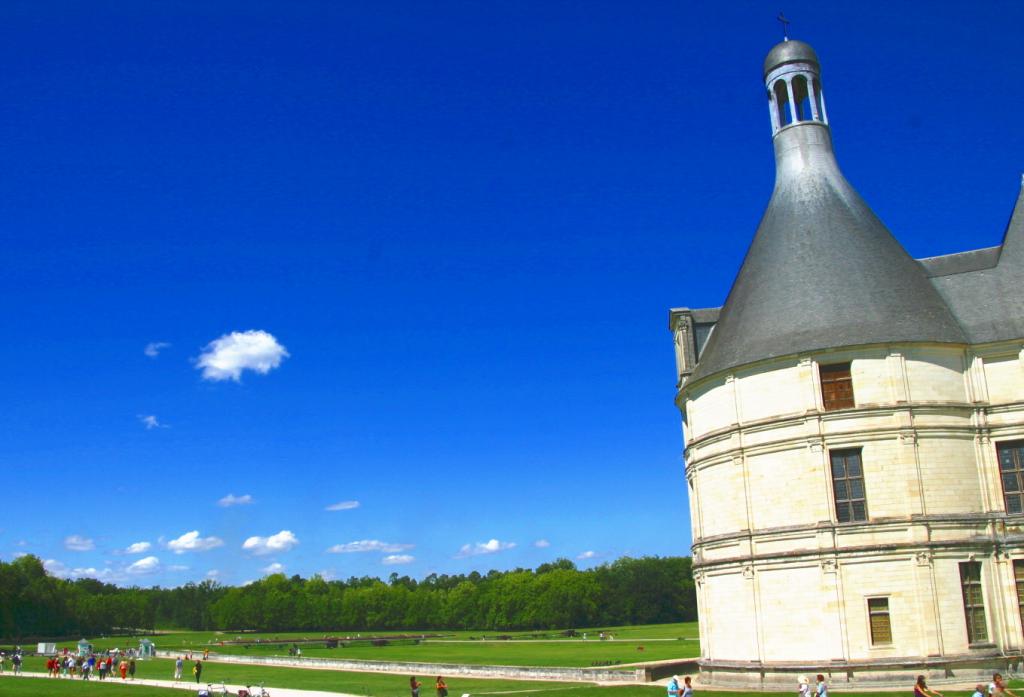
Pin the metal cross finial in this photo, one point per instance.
(785, 26)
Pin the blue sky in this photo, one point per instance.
(453, 231)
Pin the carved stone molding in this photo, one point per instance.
(748, 571)
(829, 566)
(923, 558)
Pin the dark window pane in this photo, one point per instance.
(838, 467)
(1013, 504)
(841, 491)
(860, 511)
(856, 488)
(1010, 464)
(853, 466)
(843, 513)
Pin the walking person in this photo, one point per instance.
(16, 662)
(3, 657)
(822, 688)
(442, 688)
(197, 670)
(998, 688)
(921, 689)
(687, 687)
(672, 689)
(131, 669)
(122, 667)
(179, 665)
(414, 686)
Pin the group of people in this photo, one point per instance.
(16, 659)
(440, 686)
(68, 666)
(197, 667)
(677, 690)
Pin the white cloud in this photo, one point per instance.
(212, 574)
(137, 548)
(281, 542)
(479, 548)
(343, 506)
(225, 358)
(192, 542)
(77, 543)
(369, 546)
(275, 568)
(327, 574)
(589, 554)
(153, 348)
(59, 569)
(146, 565)
(150, 421)
(542, 543)
(232, 500)
(397, 559)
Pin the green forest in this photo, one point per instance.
(648, 590)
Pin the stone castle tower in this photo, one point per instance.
(854, 426)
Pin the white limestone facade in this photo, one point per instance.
(918, 565)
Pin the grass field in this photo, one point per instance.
(659, 642)
(394, 687)
(373, 684)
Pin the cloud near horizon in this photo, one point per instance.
(232, 500)
(281, 542)
(136, 548)
(78, 543)
(589, 554)
(490, 547)
(343, 506)
(369, 546)
(192, 542)
(275, 568)
(392, 559)
(146, 565)
(226, 357)
(542, 544)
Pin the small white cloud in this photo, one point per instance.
(146, 565)
(225, 358)
(281, 542)
(589, 554)
(327, 574)
(275, 568)
(150, 421)
(61, 570)
(212, 574)
(393, 559)
(542, 544)
(369, 546)
(177, 567)
(192, 542)
(77, 543)
(154, 348)
(479, 548)
(232, 500)
(137, 548)
(343, 506)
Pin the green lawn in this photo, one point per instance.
(390, 686)
(659, 642)
(373, 684)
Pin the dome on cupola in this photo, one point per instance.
(823, 271)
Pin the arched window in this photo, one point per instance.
(802, 97)
(819, 100)
(782, 103)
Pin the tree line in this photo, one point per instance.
(557, 595)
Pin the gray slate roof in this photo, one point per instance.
(985, 287)
(822, 272)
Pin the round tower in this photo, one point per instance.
(847, 461)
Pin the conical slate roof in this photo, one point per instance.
(823, 271)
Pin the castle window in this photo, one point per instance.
(974, 603)
(848, 486)
(878, 621)
(1011, 472)
(836, 386)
